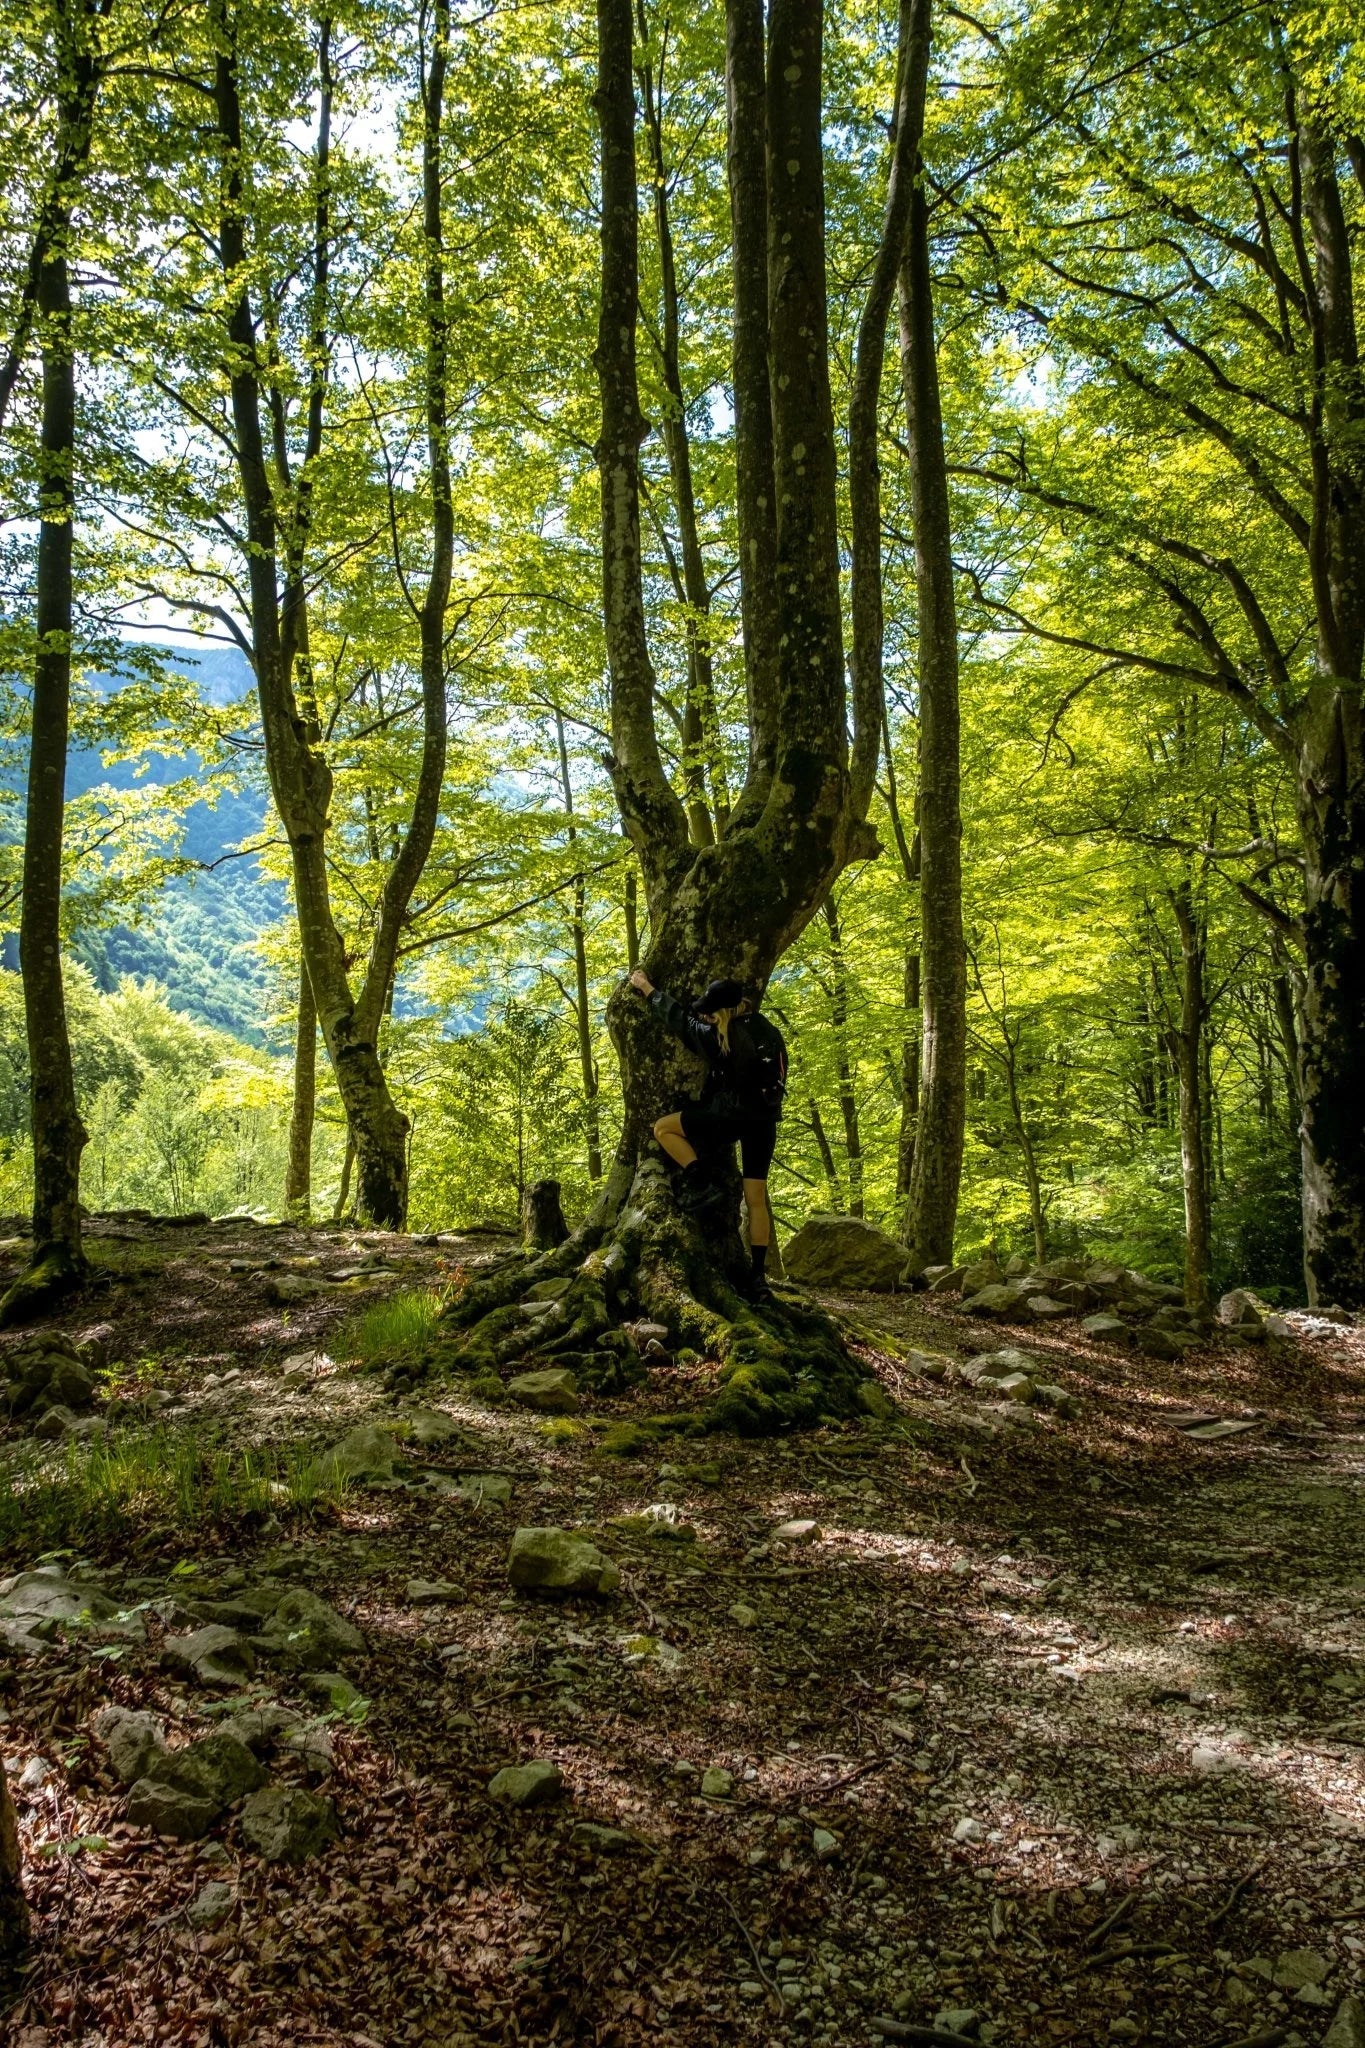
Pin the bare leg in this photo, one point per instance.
(669, 1132)
(756, 1202)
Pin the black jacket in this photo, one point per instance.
(749, 1080)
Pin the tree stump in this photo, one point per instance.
(542, 1219)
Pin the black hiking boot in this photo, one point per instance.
(699, 1192)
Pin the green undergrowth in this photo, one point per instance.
(136, 1485)
(396, 1331)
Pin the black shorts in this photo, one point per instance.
(756, 1137)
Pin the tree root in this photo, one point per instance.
(56, 1272)
(638, 1260)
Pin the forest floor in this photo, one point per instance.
(1049, 1732)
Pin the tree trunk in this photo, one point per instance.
(300, 779)
(1032, 1178)
(298, 1178)
(848, 1099)
(909, 1077)
(582, 1014)
(347, 1169)
(1188, 1053)
(542, 1219)
(931, 1211)
(1331, 1010)
(734, 907)
(59, 1136)
(13, 1906)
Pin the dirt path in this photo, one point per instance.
(1052, 1726)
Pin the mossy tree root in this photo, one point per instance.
(782, 1365)
(55, 1272)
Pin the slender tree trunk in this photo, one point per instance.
(931, 1211)
(298, 1180)
(909, 1077)
(848, 1099)
(826, 1151)
(1188, 1054)
(347, 1168)
(59, 1136)
(1027, 1150)
(582, 1013)
(631, 911)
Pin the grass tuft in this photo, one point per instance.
(400, 1328)
(154, 1480)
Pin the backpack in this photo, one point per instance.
(758, 1064)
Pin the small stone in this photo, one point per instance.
(1045, 1309)
(602, 1841)
(131, 1739)
(552, 1392)
(873, 1399)
(957, 2019)
(334, 1691)
(742, 1615)
(717, 1783)
(54, 1423)
(968, 1830)
(432, 1592)
(930, 1365)
(305, 1632)
(1107, 1329)
(36, 1774)
(1005, 1302)
(1348, 2024)
(284, 1825)
(1300, 1966)
(1056, 1399)
(825, 1845)
(553, 1561)
(50, 1595)
(1015, 1386)
(210, 1907)
(526, 1784)
(429, 1426)
(797, 1532)
(212, 1655)
(171, 1810)
(366, 1457)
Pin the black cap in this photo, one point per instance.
(719, 995)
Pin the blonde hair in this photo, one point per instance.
(724, 1018)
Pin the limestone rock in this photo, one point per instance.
(804, 1530)
(432, 1592)
(131, 1739)
(839, 1252)
(1107, 1329)
(981, 1273)
(210, 1907)
(602, 1841)
(335, 1692)
(1002, 1301)
(1164, 1344)
(367, 1457)
(1045, 1308)
(553, 1391)
(213, 1655)
(825, 1845)
(1057, 1399)
(51, 1596)
(260, 1728)
(930, 1365)
(553, 1561)
(307, 1633)
(534, 1784)
(429, 1426)
(873, 1399)
(170, 1810)
(1241, 1307)
(1348, 2024)
(1015, 1386)
(717, 1783)
(284, 1825)
(54, 1423)
(943, 1279)
(1300, 1966)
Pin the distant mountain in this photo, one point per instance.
(198, 939)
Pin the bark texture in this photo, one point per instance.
(58, 1134)
(298, 1176)
(936, 1171)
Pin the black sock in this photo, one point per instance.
(758, 1259)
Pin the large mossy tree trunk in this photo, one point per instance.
(58, 1260)
(734, 906)
(300, 777)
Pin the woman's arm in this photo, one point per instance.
(702, 1039)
